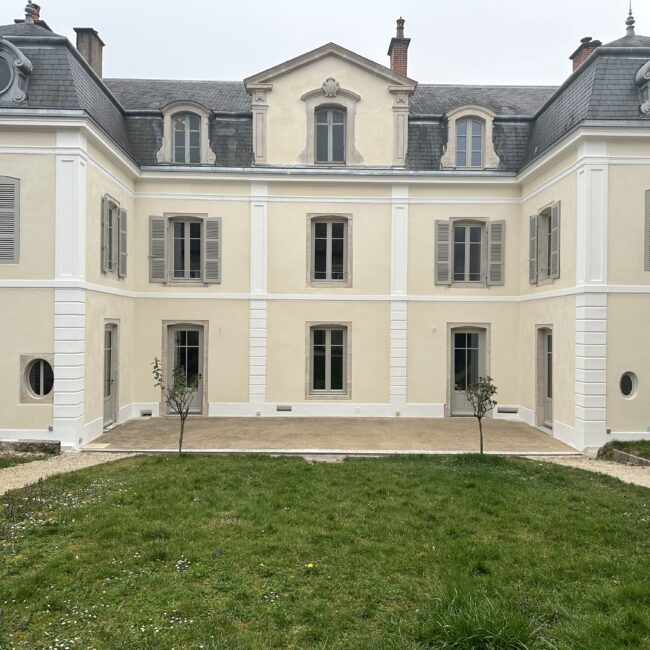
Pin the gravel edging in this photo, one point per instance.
(636, 475)
(19, 476)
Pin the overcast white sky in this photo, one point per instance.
(453, 41)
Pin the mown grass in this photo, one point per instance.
(252, 552)
(10, 459)
(640, 448)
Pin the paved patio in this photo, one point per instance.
(329, 435)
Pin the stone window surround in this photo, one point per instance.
(343, 99)
(484, 329)
(166, 153)
(324, 216)
(491, 159)
(540, 361)
(347, 395)
(167, 325)
(483, 222)
(26, 394)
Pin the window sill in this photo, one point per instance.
(188, 283)
(330, 284)
(328, 396)
(471, 285)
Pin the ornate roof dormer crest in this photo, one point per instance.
(331, 87)
(15, 69)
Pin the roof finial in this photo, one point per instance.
(630, 22)
(29, 13)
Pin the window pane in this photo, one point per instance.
(475, 234)
(195, 259)
(320, 258)
(321, 143)
(336, 337)
(195, 139)
(472, 366)
(195, 122)
(459, 234)
(320, 229)
(460, 340)
(179, 229)
(179, 125)
(460, 378)
(461, 156)
(459, 262)
(461, 128)
(338, 230)
(48, 378)
(476, 159)
(338, 261)
(179, 154)
(195, 230)
(319, 337)
(476, 128)
(35, 378)
(475, 262)
(337, 367)
(179, 256)
(181, 337)
(338, 143)
(192, 365)
(321, 117)
(195, 155)
(338, 117)
(318, 370)
(472, 340)
(192, 337)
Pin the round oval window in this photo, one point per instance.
(5, 75)
(40, 377)
(628, 384)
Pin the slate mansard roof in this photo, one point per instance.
(529, 119)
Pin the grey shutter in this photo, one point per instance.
(9, 219)
(442, 262)
(122, 244)
(554, 271)
(106, 263)
(157, 249)
(646, 251)
(496, 252)
(532, 251)
(212, 251)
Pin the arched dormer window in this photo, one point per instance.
(330, 134)
(187, 138)
(470, 142)
(15, 69)
(186, 135)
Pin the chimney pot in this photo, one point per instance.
(90, 46)
(398, 50)
(585, 49)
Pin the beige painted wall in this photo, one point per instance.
(289, 242)
(287, 348)
(34, 310)
(227, 344)
(626, 223)
(37, 174)
(428, 347)
(287, 116)
(100, 308)
(628, 351)
(559, 314)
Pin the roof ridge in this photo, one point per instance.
(205, 81)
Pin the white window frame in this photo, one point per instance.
(187, 132)
(468, 223)
(329, 110)
(27, 395)
(165, 154)
(469, 142)
(490, 158)
(328, 393)
(329, 219)
(187, 220)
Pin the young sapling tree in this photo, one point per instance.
(178, 395)
(480, 396)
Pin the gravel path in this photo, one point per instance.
(18, 476)
(626, 473)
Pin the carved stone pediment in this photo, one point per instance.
(15, 69)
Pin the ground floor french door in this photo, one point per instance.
(547, 339)
(467, 365)
(110, 374)
(186, 350)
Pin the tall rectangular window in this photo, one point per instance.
(330, 135)
(328, 360)
(187, 138)
(329, 250)
(468, 252)
(187, 250)
(469, 143)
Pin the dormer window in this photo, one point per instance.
(330, 135)
(469, 143)
(15, 69)
(186, 135)
(187, 138)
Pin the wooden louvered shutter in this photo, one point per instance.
(106, 262)
(122, 244)
(9, 219)
(496, 252)
(646, 250)
(532, 251)
(157, 249)
(554, 271)
(212, 251)
(442, 262)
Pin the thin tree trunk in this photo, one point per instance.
(180, 438)
(480, 428)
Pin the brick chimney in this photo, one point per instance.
(36, 15)
(587, 46)
(398, 50)
(90, 46)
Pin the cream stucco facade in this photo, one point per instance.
(255, 320)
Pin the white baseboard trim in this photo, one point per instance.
(91, 431)
(325, 409)
(568, 435)
(15, 435)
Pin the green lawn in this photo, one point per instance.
(639, 448)
(252, 552)
(9, 459)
